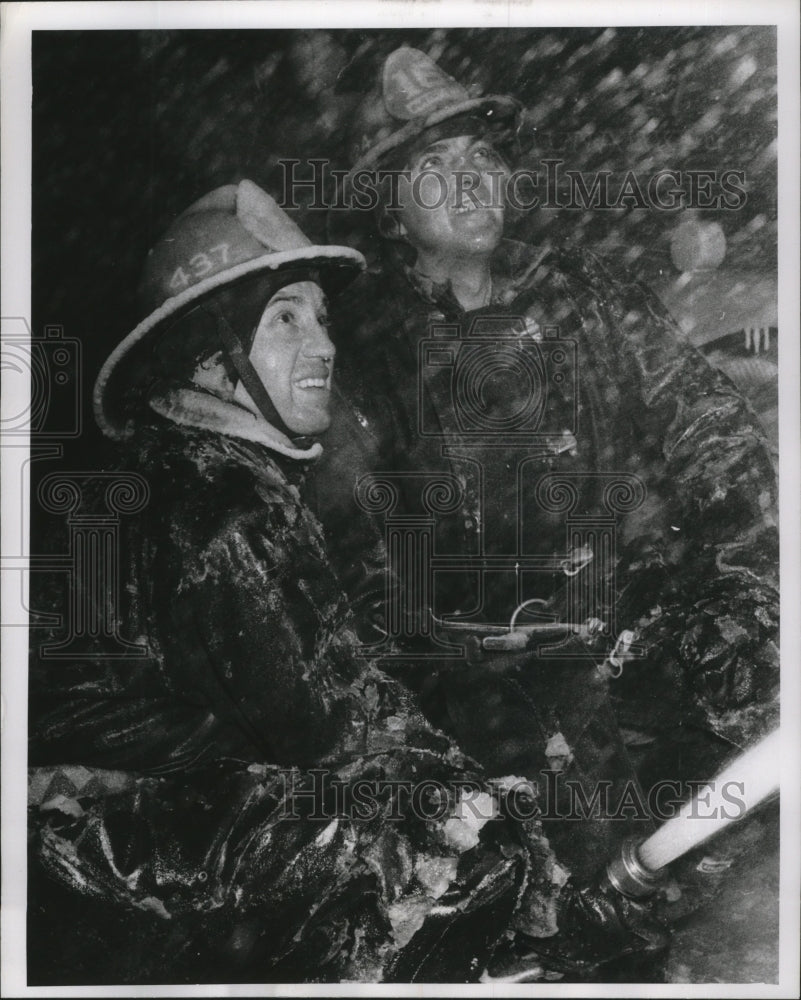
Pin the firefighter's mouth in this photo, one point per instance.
(314, 383)
(466, 207)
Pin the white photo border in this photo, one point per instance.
(18, 21)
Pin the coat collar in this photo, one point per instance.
(513, 266)
(191, 408)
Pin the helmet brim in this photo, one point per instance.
(506, 110)
(336, 265)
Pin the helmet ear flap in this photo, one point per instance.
(185, 343)
(195, 335)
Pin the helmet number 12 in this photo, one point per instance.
(199, 266)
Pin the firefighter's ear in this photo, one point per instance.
(212, 374)
(390, 226)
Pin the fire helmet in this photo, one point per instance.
(414, 95)
(228, 238)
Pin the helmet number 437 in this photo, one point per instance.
(201, 264)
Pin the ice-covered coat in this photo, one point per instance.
(196, 795)
(695, 560)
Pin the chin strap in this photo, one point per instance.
(249, 377)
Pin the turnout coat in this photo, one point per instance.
(194, 813)
(599, 461)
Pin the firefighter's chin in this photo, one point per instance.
(310, 408)
(305, 409)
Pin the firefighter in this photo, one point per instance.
(558, 398)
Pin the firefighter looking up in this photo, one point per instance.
(594, 462)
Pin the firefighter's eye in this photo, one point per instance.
(430, 162)
(483, 153)
(285, 317)
(324, 320)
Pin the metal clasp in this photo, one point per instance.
(613, 665)
(576, 560)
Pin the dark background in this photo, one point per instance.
(130, 127)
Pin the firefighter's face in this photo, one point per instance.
(452, 207)
(294, 357)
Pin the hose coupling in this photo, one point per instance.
(628, 874)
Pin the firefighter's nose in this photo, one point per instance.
(318, 343)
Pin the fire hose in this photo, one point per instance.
(606, 918)
(635, 871)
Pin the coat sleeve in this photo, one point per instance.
(257, 628)
(707, 456)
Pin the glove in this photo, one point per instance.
(598, 924)
(726, 667)
(609, 923)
